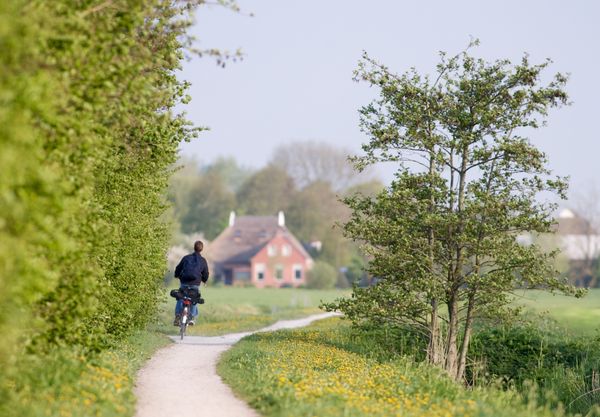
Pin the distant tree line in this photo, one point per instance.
(304, 179)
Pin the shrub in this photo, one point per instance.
(88, 136)
(564, 368)
(321, 276)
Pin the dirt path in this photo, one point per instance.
(159, 388)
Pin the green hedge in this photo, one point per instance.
(88, 136)
(564, 367)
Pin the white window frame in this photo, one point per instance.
(296, 268)
(279, 267)
(286, 250)
(260, 269)
(271, 250)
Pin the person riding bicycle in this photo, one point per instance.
(191, 271)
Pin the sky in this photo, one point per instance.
(295, 80)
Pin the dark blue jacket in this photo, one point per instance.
(192, 269)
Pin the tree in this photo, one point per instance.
(312, 216)
(549, 242)
(210, 203)
(232, 174)
(310, 161)
(203, 196)
(266, 192)
(355, 271)
(321, 276)
(370, 188)
(185, 177)
(442, 236)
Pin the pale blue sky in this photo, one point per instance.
(295, 81)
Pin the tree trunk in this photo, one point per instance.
(455, 275)
(434, 349)
(434, 354)
(462, 361)
(451, 347)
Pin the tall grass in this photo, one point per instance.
(564, 367)
(67, 382)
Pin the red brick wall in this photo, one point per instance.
(270, 263)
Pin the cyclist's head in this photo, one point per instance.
(198, 246)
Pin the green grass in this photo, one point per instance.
(558, 380)
(67, 383)
(235, 309)
(330, 369)
(71, 383)
(576, 315)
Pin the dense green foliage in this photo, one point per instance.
(442, 237)
(88, 137)
(31, 203)
(334, 369)
(203, 196)
(565, 368)
(321, 275)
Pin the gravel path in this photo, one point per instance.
(160, 389)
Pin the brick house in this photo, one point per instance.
(260, 251)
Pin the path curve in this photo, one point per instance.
(159, 383)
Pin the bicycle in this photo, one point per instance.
(189, 297)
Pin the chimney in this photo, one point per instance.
(231, 218)
(281, 219)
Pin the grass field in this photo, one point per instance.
(234, 309)
(231, 309)
(576, 315)
(332, 370)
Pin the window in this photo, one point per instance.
(271, 250)
(241, 276)
(279, 271)
(259, 271)
(286, 250)
(297, 271)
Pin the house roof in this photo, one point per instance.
(569, 223)
(246, 236)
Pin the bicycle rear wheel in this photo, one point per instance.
(183, 323)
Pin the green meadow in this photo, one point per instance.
(237, 309)
(544, 368)
(233, 309)
(576, 315)
(329, 369)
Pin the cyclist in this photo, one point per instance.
(191, 271)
